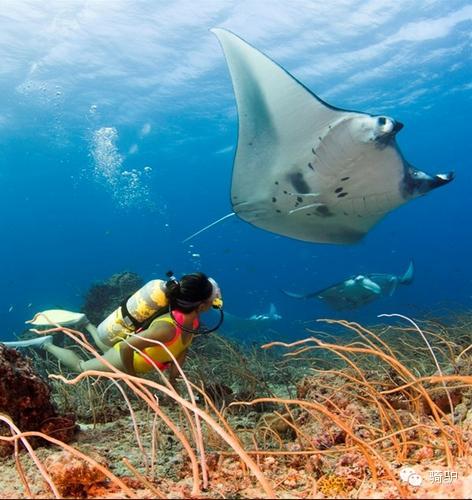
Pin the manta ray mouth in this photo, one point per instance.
(442, 179)
(418, 183)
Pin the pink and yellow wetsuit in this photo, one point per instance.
(156, 355)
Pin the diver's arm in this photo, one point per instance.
(163, 332)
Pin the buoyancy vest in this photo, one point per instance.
(134, 312)
(158, 356)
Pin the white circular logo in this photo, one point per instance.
(405, 473)
(415, 479)
(409, 475)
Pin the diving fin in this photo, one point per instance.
(37, 342)
(57, 317)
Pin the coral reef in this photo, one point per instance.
(26, 398)
(350, 418)
(103, 298)
(75, 477)
(333, 485)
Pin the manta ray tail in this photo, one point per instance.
(407, 278)
(294, 295)
(208, 227)
(300, 295)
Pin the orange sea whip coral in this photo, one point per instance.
(373, 457)
(197, 430)
(140, 387)
(18, 435)
(373, 347)
(389, 436)
(80, 339)
(395, 315)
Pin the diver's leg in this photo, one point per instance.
(92, 329)
(66, 356)
(113, 357)
(70, 359)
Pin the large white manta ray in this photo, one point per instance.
(357, 291)
(306, 169)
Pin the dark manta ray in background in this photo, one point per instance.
(360, 290)
(306, 169)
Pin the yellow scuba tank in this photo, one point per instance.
(135, 310)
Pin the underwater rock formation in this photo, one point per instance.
(104, 297)
(26, 398)
(74, 477)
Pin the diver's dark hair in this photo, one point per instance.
(188, 293)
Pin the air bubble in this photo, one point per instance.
(127, 185)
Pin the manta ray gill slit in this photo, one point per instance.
(298, 182)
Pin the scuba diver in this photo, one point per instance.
(164, 311)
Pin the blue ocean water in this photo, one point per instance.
(118, 128)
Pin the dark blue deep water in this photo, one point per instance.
(117, 133)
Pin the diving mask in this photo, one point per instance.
(215, 297)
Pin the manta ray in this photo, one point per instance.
(357, 291)
(265, 324)
(304, 168)
(271, 315)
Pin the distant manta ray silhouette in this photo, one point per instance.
(306, 169)
(271, 315)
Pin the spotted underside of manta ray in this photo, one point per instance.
(360, 290)
(306, 169)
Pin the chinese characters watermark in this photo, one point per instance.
(443, 476)
(410, 476)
